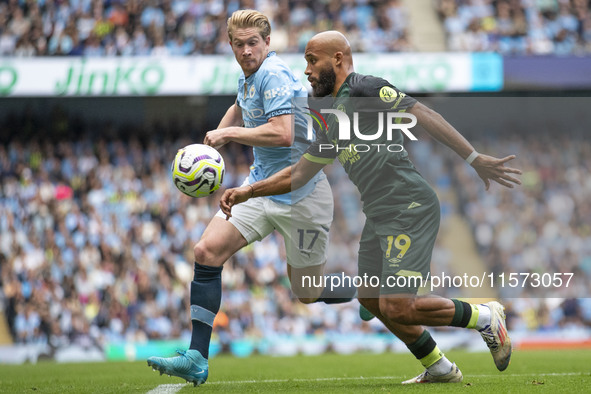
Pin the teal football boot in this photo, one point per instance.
(189, 365)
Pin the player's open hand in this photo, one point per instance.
(216, 138)
(232, 197)
(493, 169)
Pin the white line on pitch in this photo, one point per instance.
(532, 374)
(167, 388)
(386, 377)
(305, 380)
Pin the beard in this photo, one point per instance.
(325, 83)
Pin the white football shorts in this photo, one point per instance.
(303, 225)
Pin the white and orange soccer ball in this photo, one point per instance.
(198, 170)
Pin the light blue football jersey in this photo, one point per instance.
(265, 94)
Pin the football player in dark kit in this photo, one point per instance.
(402, 209)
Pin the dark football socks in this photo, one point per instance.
(426, 351)
(466, 315)
(206, 296)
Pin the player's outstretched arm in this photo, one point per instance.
(276, 132)
(284, 181)
(487, 167)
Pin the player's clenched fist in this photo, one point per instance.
(215, 138)
(234, 196)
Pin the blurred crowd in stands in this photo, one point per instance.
(542, 227)
(518, 27)
(190, 27)
(187, 27)
(96, 243)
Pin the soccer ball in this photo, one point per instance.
(197, 170)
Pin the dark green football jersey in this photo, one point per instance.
(376, 163)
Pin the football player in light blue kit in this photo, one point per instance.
(262, 117)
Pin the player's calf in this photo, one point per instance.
(400, 310)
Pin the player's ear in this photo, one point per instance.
(338, 58)
(268, 40)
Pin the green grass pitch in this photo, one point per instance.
(529, 372)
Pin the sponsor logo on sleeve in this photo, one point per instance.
(277, 92)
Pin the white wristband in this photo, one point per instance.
(472, 157)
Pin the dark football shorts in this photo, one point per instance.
(397, 248)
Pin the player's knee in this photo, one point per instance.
(398, 310)
(203, 255)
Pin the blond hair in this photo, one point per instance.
(243, 19)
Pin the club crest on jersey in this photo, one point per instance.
(251, 92)
(387, 94)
